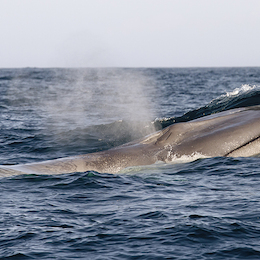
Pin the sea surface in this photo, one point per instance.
(202, 209)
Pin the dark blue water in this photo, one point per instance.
(205, 209)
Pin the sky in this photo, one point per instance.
(129, 33)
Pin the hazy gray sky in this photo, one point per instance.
(129, 33)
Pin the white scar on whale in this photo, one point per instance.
(232, 133)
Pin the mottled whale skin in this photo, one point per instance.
(234, 133)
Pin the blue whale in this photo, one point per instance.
(232, 133)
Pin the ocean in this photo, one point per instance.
(202, 209)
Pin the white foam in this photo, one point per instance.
(185, 158)
(243, 89)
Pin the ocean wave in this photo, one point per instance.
(245, 96)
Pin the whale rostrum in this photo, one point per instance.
(233, 133)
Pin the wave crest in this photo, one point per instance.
(245, 96)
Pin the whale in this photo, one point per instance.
(231, 133)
